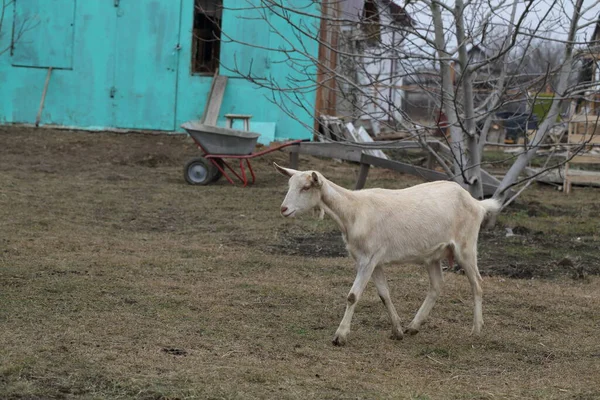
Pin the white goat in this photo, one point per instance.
(423, 224)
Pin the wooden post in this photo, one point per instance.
(294, 158)
(362, 176)
(566, 183)
(430, 161)
(322, 57)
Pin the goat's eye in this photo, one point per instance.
(305, 188)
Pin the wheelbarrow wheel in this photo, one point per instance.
(199, 171)
(218, 174)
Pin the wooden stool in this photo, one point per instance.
(244, 117)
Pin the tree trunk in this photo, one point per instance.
(473, 167)
(448, 97)
(523, 160)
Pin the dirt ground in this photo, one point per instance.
(119, 280)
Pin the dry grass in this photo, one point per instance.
(118, 280)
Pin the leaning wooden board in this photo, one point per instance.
(356, 153)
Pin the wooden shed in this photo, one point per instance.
(145, 64)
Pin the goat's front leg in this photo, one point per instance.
(363, 274)
(384, 294)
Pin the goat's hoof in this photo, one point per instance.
(339, 341)
(397, 335)
(411, 331)
(476, 332)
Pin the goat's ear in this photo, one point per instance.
(284, 171)
(316, 182)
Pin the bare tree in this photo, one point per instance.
(469, 59)
(17, 29)
(3, 10)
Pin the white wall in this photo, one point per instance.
(379, 75)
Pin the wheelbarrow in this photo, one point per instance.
(219, 145)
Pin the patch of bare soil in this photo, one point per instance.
(309, 244)
(520, 252)
(545, 234)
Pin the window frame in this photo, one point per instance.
(217, 22)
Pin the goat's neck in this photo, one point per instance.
(338, 204)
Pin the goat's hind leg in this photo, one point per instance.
(435, 284)
(468, 262)
(384, 294)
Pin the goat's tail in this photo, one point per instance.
(491, 207)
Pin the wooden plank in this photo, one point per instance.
(389, 145)
(587, 125)
(39, 114)
(585, 118)
(364, 136)
(585, 179)
(585, 159)
(339, 133)
(360, 135)
(579, 177)
(215, 100)
(590, 139)
(331, 150)
(238, 116)
(486, 177)
(346, 151)
(210, 91)
(392, 136)
(425, 173)
(395, 145)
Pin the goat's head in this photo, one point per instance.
(304, 192)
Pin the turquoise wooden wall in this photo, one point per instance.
(121, 67)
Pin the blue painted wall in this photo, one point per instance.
(119, 67)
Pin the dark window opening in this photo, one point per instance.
(206, 41)
(371, 23)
